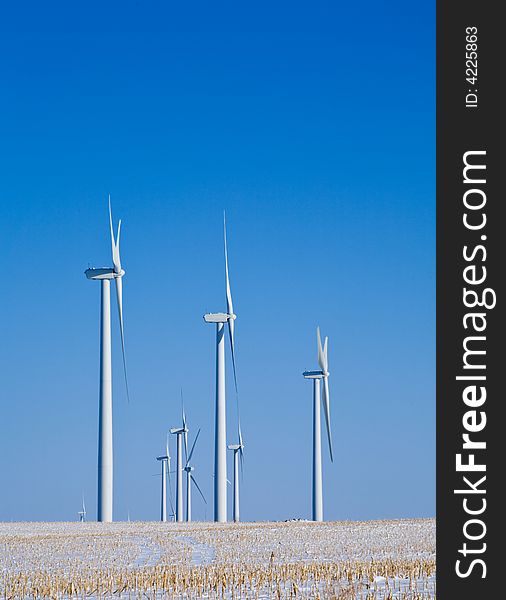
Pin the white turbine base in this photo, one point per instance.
(188, 496)
(220, 431)
(163, 508)
(317, 513)
(237, 515)
(179, 478)
(105, 455)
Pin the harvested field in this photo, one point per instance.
(337, 560)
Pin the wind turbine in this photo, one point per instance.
(220, 423)
(180, 432)
(165, 465)
(189, 479)
(173, 513)
(317, 377)
(82, 513)
(105, 461)
(238, 454)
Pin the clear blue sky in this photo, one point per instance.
(312, 124)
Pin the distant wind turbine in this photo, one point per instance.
(82, 513)
(173, 512)
(220, 427)
(189, 479)
(238, 455)
(165, 466)
(180, 432)
(163, 504)
(105, 454)
(317, 377)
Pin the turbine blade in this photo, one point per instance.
(241, 447)
(185, 434)
(230, 305)
(114, 242)
(197, 486)
(192, 448)
(119, 295)
(116, 257)
(231, 328)
(321, 361)
(326, 406)
(241, 459)
(325, 354)
(240, 434)
(183, 415)
(118, 236)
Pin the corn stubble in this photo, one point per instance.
(387, 560)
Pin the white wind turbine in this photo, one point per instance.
(189, 479)
(165, 466)
(179, 432)
(82, 513)
(173, 512)
(317, 377)
(238, 455)
(220, 424)
(105, 458)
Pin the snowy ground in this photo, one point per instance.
(382, 560)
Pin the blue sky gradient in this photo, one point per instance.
(313, 125)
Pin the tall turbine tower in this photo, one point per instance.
(220, 422)
(238, 454)
(189, 479)
(105, 462)
(179, 432)
(317, 377)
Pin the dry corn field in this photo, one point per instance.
(384, 560)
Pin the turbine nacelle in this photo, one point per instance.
(188, 469)
(217, 317)
(162, 458)
(314, 374)
(235, 447)
(105, 273)
(175, 430)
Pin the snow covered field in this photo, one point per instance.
(382, 560)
